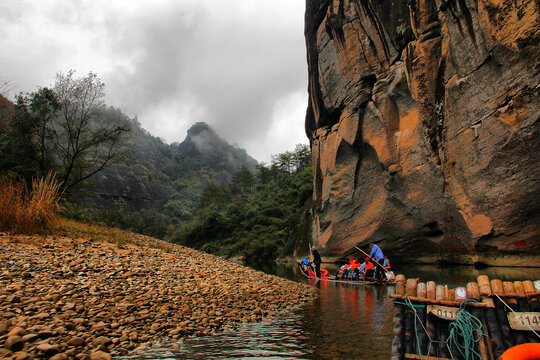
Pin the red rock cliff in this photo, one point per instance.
(423, 119)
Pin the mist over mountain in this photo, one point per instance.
(159, 174)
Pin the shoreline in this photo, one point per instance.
(64, 298)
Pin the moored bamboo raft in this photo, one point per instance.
(486, 318)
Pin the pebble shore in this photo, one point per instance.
(63, 298)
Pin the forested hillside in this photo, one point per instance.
(160, 184)
(253, 217)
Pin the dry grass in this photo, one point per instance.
(94, 232)
(102, 233)
(35, 211)
(24, 211)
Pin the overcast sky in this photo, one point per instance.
(239, 65)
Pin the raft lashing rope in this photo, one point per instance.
(477, 322)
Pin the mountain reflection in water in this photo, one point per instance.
(346, 322)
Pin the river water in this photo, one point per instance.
(345, 322)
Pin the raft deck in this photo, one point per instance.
(485, 318)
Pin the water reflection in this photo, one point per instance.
(346, 321)
(349, 321)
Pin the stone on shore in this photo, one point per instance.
(72, 298)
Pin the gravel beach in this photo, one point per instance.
(64, 298)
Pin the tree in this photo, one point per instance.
(85, 143)
(66, 129)
(242, 181)
(6, 86)
(301, 157)
(212, 196)
(29, 146)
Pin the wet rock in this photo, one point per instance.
(102, 340)
(17, 330)
(76, 341)
(21, 355)
(29, 338)
(60, 356)
(14, 343)
(47, 349)
(100, 355)
(169, 295)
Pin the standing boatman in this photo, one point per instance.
(316, 261)
(377, 254)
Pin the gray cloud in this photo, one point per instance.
(238, 65)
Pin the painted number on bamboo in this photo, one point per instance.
(524, 320)
(444, 312)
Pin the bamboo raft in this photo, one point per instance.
(507, 313)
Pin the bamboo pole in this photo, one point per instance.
(507, 336)
(484, 285)
(397, 341)
(411, 287)
(438, 302)
(473, 292)
(440, 324)
(430, 289)
(409, 331)
(421, 290)
(520, 336)
(400, 285)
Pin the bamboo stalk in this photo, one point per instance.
(420, 332)
(409, 331)
(411, 287)
(439, 302)
(430, 288)
(507, 336)
(421, 290)
(400, 284)
(484, 285)
(473, 292)
(495, 334)
(397, 341)
(520, 336)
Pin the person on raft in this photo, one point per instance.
(317, 262)
(377, 254)
(350, 270)
(386, 263)
(367, 264)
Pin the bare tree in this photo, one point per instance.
(85, 141)
(6, 86)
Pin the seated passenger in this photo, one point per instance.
(340, 272)
(386, 263)
(365, 266)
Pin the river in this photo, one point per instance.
(344, 322)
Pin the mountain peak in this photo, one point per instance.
(200, 127)
(202, 141)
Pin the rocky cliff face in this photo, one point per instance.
(424, 125)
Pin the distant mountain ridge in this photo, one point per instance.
(159, 173)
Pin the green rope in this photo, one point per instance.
(465, 333)
(413, 307)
